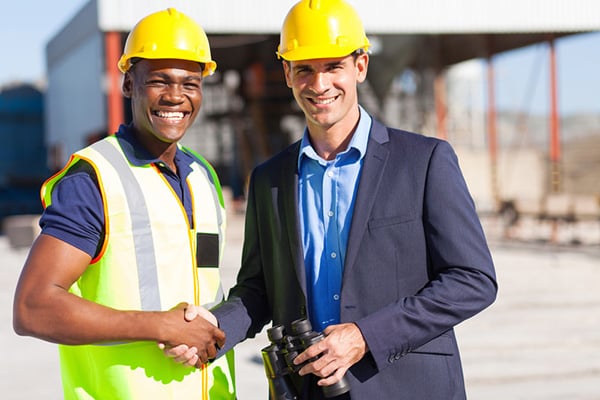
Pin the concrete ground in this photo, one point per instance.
(539, 340)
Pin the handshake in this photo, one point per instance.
(199, 342)
(328, 354)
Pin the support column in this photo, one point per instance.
(441, 104)
(492, 132)
(555, 148)
(555, 156)
(114, 98)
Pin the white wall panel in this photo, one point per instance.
(74, 111)
(379, 16)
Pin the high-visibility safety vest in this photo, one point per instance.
(151, 260)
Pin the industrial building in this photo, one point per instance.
(248, 112)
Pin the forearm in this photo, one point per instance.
(64, 318)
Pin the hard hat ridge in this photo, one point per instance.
(321, 29)
(167, 34)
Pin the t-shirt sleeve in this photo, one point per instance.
(76, 213)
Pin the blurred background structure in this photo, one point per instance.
(434, 69)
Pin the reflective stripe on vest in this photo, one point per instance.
(143, 244)
(148, 262)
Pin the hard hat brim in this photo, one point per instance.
(210, 66)
(317, 52)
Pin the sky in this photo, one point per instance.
(27, 25)
(522, 80)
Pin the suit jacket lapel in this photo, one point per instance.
(375, 160)
(290, 215)
(370, 179)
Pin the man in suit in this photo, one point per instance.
(368, 231)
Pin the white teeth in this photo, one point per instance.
(324, 101)
(170, 115)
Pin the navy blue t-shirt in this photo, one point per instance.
(76, 215)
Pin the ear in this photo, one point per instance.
(362, 65)
(127, 86)
(287, 71)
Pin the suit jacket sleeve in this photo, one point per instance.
(271, 278)
(459, 279)
(246, 310)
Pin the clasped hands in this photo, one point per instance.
(197, 341)
(342, 347)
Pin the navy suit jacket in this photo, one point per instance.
(417, 264)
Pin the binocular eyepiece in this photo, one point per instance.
(278, 360)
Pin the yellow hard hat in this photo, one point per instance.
(167, 34)
(321, 29)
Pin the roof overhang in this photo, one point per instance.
(416, 34)
(379, 16)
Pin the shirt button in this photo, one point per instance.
(330, 174)
(330, 213)
(333, 255)
(336, 297)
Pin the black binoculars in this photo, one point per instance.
(278, 360)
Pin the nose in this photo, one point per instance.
(174, 93)
(320, 81)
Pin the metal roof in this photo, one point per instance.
(379, 16)
(408, 34)
(452, 18)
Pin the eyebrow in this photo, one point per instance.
(328, 65)
(169, 77)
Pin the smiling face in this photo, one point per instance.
(166, 96)
(326, 90)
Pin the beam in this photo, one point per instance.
(555, 149)
(114, 98)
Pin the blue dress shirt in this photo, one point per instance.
(326, 193)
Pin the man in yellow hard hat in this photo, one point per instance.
(368, 231)
(133, 231)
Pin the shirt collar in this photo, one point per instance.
(138, 156)
(359, 140)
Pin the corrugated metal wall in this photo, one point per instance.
(379, 16)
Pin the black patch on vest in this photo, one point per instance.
(207, 250)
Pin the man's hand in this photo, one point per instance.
(342, 347)
(183, 353)
(192, 311)
(198, 340)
